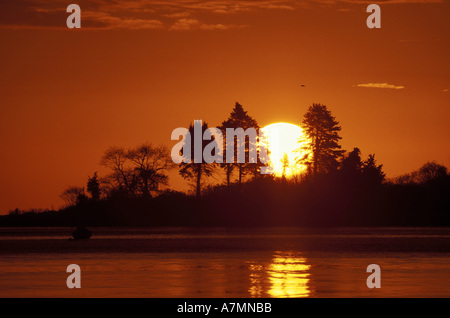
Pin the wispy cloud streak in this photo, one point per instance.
(380, 85)
(132, 14)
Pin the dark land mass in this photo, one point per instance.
(328, 202)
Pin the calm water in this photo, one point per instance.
(186, 262)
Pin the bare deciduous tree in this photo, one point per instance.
(138, 171)
(73, 195)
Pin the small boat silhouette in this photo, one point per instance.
(81, 233)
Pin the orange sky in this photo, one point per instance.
(136, 70)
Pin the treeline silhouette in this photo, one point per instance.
(337, 188)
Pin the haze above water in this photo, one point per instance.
(212, 262)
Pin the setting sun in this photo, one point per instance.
(283, 140)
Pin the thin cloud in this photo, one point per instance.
(278, 7)
(349, 5)
(187, 24)
(153, 14)
(380, 85)
(100, 20)
(382, 1)
(131, 14)
(95, 14)
(184, 24)
(177, 15)
(228, 6)
(220, 26)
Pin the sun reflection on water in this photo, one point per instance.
(285, 276)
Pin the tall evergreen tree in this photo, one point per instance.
(352, 164)
(322, 129)
(93, 187)
(285, 165)
(372, 173)
(239, 118)
(196, 171)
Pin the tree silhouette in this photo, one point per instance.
(196, 170)
(371, 172)
(285, 165)
(430, 171)
(93, 187)
(366, 172)
(322, 130)
(239, 118)
(119, 180)
(352, 164)
(150, 164)
(73, 195)
(139, 171)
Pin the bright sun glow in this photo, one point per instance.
(283, 138)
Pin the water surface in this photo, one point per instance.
(216, 262)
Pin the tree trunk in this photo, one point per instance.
(240, 173)
(199, 175)
(316, 153)
(315, 167)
